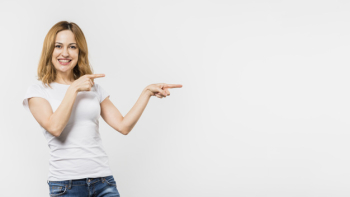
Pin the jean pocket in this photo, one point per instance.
(110, 180)
(57, 189)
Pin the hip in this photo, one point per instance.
(104, 186)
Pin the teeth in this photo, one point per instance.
(64, 60)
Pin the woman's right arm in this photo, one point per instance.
(54, 123)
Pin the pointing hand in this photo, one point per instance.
(85, 82)
(161, 89)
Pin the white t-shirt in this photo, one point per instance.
(78, 152)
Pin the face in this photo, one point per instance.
(66, 53)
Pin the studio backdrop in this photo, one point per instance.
(264, 109)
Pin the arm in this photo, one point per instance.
(113, 117)
(54, 123)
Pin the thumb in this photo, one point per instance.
(160, 90)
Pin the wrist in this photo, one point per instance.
(147, 91)
(73, 89)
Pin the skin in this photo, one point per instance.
(66, 48)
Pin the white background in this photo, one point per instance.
(263, 111)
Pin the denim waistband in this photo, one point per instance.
(84, 181)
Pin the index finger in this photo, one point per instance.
(172, 86)
(92, 76)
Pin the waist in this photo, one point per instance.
(77, 168)
(83, 181)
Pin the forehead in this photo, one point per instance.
(65, 36)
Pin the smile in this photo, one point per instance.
(64, 62)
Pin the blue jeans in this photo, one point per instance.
(88, 187)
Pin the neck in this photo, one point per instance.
(64, 78)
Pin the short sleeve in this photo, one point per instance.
(33, 91)
(102, 94)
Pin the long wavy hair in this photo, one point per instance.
(46, 69)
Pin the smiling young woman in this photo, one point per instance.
(78, 164)
(67, 105)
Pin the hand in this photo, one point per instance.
(161, 89)
(85, 82)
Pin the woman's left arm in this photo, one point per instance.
(124, 125)
(114, 118)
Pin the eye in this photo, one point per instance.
(58, 46)
(73, 47)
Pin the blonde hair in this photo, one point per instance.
(46, 69)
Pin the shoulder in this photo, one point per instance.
(98, 86)
(102, 93)
(36, 88)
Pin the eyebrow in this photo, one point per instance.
(68, 44)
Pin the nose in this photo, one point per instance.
(65, 52)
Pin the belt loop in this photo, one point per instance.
(70, 184)
(102, 179)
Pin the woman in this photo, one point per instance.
(67, 105)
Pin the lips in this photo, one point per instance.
(64, 61)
